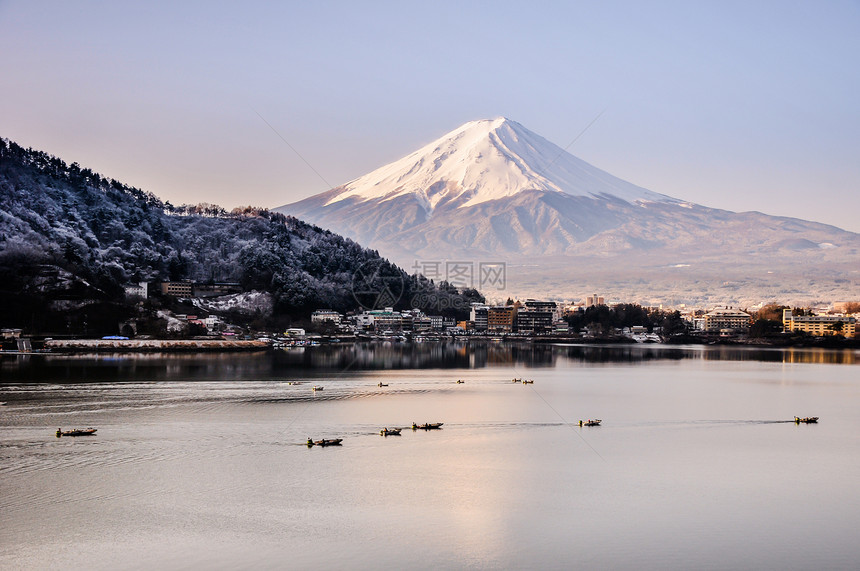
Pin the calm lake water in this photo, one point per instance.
(200, 462)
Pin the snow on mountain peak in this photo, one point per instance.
(485, 160)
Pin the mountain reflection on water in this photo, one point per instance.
(378, 356)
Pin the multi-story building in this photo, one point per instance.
(819, 325)
(727, 319)
(501, 318)
(184, 288)
(326, 316)
(478, 315)
(387, 319)
(468, 325)
(421, 323)
(140, 289)
(593, 300)
(535, 304)
(534, 320)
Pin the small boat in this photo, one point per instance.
(76, 432)
(317, 388)
(516, 380)
(806, 420)
(460, 382)
(382, 384)
(590, 422)
(427, 426)
(325, 442)
(390, 431)
(295, 383)
(528, 382)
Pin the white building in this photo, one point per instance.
(140, 289)
(727, 319)
(326, 316)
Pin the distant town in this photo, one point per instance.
(590, 319)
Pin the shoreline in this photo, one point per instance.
(71, 346)
(152, 345)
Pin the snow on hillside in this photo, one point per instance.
(488, 160)
(247, 302)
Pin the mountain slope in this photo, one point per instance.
(70, 239)
(494, 190)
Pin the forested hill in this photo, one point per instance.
(69, 234)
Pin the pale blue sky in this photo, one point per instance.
(735, 105)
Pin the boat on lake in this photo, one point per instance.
(76, 432)
(325, 442)
(390, 431)
(382, 384)
(427, 426)
(528, 382)
(590, 422)
(317, 388)
(806, 420)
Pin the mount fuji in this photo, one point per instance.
(492, 190)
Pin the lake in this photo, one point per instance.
(200, 459)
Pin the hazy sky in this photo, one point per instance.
(735, 105)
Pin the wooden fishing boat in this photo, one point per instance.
(590, 422)
(427, 426)
(317, 388)
(325, 442)
(806, 420)
(76, 432)
(382, 384)
(460, 381)
(528, 382)
(390, 431)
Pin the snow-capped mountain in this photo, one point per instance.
(493, 190)
(483, 161)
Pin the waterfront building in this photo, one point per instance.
(387, 319)
(534, 320)
(727, 319)
(421, 323)
(10, 333)
(501, 318)
(326, 316)
(819, 325)
(478, 315)
(466, 325)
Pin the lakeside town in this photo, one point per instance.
(592, 319)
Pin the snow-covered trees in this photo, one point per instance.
(106, 234)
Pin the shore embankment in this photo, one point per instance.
(143, 345)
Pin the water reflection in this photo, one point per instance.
(377, 356)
